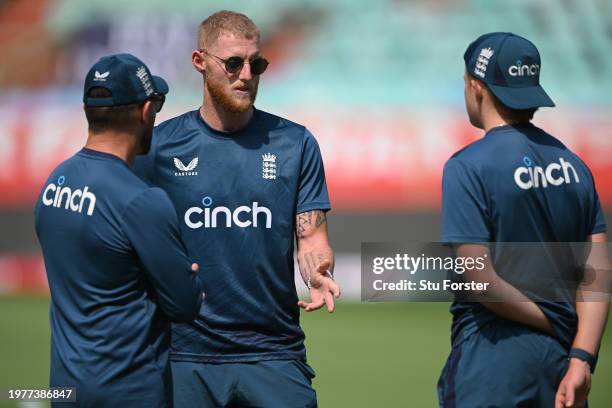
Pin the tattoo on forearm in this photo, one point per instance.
(321, 218)
(304, 222)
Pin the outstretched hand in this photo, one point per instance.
(323, 290)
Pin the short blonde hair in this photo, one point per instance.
(225, 21)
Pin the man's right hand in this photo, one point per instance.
(575, 386)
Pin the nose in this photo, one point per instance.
(245, 72)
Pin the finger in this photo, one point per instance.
(195, 267)
(315, 305)
(329, 301)
(560, 397)
(335, 289)
(309, 307)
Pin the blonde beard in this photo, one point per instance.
(230, 102)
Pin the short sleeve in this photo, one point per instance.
(312, 190)
(465, 212)
(599, 223)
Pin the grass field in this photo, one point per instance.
(365, 355)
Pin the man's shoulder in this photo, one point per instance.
(495, 144)
(273, 122)
(180, 122)
(473, 152)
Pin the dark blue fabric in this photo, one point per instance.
(269, 384)
(118, 272)
(272, 168)
(484, 202)
(503, 365)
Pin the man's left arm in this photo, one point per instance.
(592, 308)
(315, 260)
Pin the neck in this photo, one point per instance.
(491, 116)
(220, 119)
(493, 122)
(120, 144)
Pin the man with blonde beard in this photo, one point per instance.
(245, 184)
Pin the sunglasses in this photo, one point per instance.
(233, 65)
(158, 101)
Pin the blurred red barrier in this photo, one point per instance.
(22, 274)
(385, 159)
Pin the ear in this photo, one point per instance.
(147, 111)
(478, 87)
(197, 59)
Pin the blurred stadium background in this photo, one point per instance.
(380, 85)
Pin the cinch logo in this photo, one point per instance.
(529, 176)
(73, 200)
(207, 217)
(523, 70)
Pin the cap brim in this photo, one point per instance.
(522, 98)
(161, 85)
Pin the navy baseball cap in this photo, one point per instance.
(126, 77)
(510, 66)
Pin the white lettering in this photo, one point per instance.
(48, 201)
(566, 167)
(525, 185)
(224, 210)
(75, 206)
(92, 201)
(69, 199)
(232, 217)
(235, 216)
(524, 70)
(549, 176)
(266, 211)
(554, 174)
(191, 224)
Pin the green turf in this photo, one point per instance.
(365, 355)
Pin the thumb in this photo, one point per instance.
(324, 266)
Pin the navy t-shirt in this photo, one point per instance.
(518, 184)
(237, 195)
(118, 272)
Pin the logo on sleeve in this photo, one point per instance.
(554, 174)
(59, 196)
(268, 166)
(187, 170)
